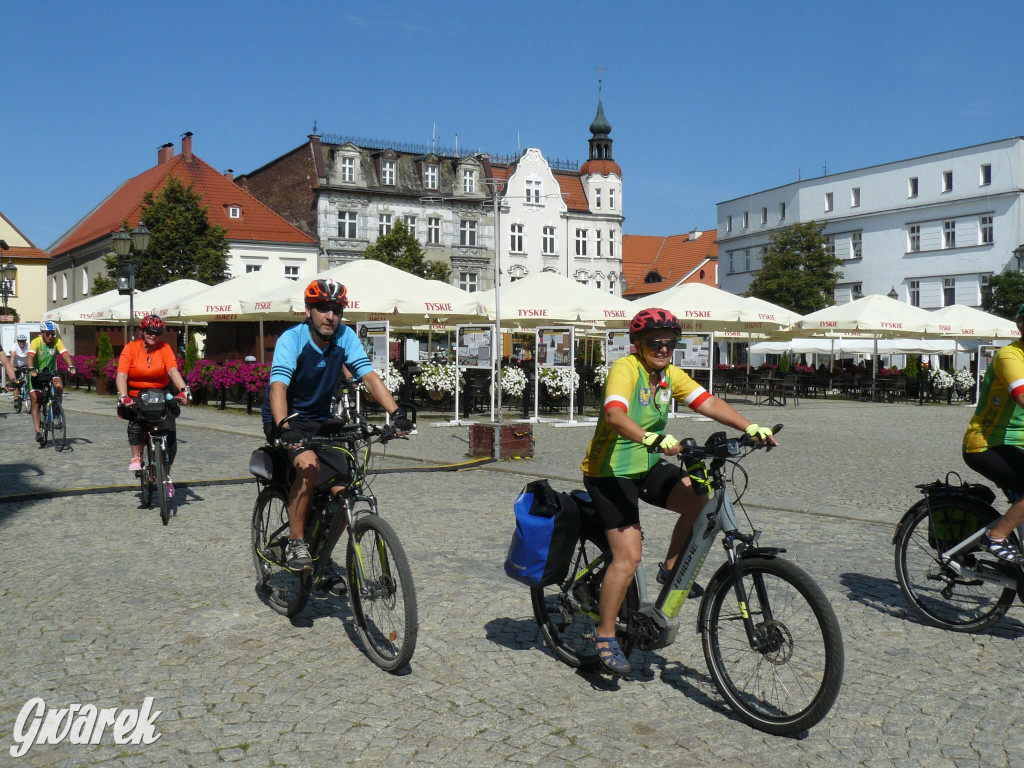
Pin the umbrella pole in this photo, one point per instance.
(262, 346)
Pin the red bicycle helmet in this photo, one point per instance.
(326, 289)
(651, 320)
(152, 323)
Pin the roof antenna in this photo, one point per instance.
(314, 127)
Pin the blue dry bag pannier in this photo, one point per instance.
(547, 529)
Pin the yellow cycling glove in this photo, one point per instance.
(759, 433)
(658, 443)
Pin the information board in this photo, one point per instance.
(374, 338)
(554, 347)
(616, 346)
(474, 346)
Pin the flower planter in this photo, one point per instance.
(102, 385)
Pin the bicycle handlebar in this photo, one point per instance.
(338, 431)
(720, 446)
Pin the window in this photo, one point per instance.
(912, 186)
(857, 291)
(468, 181)
(410, 224)
(855, 245)
(986, 289)
(782, 211)
(515, 244)
(467, 280)
(384, 225)
(949, 234)
(986, 230)
(597, 243)
(948, 291)
(348, 169)
(986, 175)
(915, 293)
(828, 202)
(599, 285)
(597, 197)
(728, 223)
(915, 238)
(53, 288)
(746, 219)
(434, 230)
(533, 191)
(347, 224)
(947, 181)
(291, 271)
(250, 268)
(234, 212)
(611, 243)
(430, 176)
(547, 243)
(467, 236)
(387, 173)
(764, 215)
(611, 199)
(855, 197)
(746, 260)
(830, 245)
(581, 242)
(732, 263)
(64, 285)
(85, 281)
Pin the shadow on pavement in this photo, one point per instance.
(516, 634)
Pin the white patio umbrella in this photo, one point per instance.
(148, 302)
(877, 315)
(969, 323)
(224, 300)
(703, 308)
(547, 298)
(81, 311)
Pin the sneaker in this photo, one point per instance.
(40, 439)
(664, 574)
(297, 556)
(170, 488)
(1005, 550)
(136, 464)
(333, 581)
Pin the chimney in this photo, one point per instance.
(230, 173)
(186, 146)
(695, 234)
(165, 153)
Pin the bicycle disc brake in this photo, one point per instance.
(775, 641)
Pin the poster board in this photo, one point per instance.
(554, 347)
(693, 351)
(373, 336)
(616, 346)
(475, 346)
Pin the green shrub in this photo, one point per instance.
(912, 369)
(191, 352)
(104, 351)
(784, 365)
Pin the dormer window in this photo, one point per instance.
(469, 181)
(234, 211)
(387, 173)
(652, 277)
(430, 176)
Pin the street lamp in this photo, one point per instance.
(892, 293)
(1018, 254)
(127, 247)
(7, 273)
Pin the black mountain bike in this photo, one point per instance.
(150, 409)
(380, 585)
(52, 421)
(771, 640)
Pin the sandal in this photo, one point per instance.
(664, 574)
(611, 658)
(1005, 550)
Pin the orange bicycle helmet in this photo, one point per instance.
(653, 319)
(152, 323)
(326, 289)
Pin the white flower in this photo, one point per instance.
(963, 380)
(438, 377)
(601, 374)
(391, 377)
(557, 380)
(939, 379)
(513, 381)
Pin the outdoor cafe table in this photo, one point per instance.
(768, 391)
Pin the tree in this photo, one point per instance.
(400, 249)
(1007, 293)
(183, 244)
(797, 270)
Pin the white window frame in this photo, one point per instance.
(597, 244)
(250, 268)
(388, 172)
(581, 241)
(548, 241)
(534, 192)
(85, 281)
(469, 181)
(985, 175)
(947, 181)
(385, 224)
(53, 288)
(746, 259)
(782, 211)
(948, 291)
(728, 223)
(856, 245)
(611, 243)
(746, 219)
(949, 233)
(292, 271)
(914, 292)
(433, 230)
(410, 223)
(597, 198)
(468, 281)
(986, 230)
(830, 245)
(764, 214)
(64, 285)
(914, 238)
(855, 197)
(348, 170)
(234, 212)
(611, 199)
(347, 221)
(912, 187)
(430, 176)
(516, 239)
(828, 202)
(467, 233)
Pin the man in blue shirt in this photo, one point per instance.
(308, 360)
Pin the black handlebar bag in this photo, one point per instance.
(155, 405)
(547, 529)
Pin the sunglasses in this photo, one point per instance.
(326, 307)
(152, 331)
(656, 345)
(48, 333)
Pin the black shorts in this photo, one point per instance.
(334, 464)
(617, 499)
(1002, 464)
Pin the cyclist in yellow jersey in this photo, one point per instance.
(994, 441)
(621, 466)
(42, 358)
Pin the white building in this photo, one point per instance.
(932, 228)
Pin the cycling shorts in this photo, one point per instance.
(617, 499)
(334, 464)
(1002, 464)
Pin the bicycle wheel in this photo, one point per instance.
(791, 683)
(59, 428)
(17, 400)
(146, 480)
(567, 613)
(285, 590)
(935, 592)
(382, 593)
(160, 460)
(45, 420)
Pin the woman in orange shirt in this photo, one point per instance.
(148, 363)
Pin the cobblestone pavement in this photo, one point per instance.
(102, 604)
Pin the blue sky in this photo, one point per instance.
(707, 100)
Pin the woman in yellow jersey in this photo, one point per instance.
(994, 441)
(621, 466)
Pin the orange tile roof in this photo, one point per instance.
(604, 167)
(20, 251)
(258, 222)
(672, 257)
(572, 190)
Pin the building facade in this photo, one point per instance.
(347, 192)
(651, 263)
(25, 289)
(933, 228)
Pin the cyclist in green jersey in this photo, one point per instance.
(42, 358)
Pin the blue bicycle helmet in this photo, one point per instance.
(47, 326)
(22, 337)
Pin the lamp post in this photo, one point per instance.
(7, 273)
(892, 293)
(127, 247)
(1018, 254)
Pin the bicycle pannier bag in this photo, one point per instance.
(547, 529)
(153, 404)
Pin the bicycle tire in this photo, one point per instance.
(384, 599)
(160, 459)
(566, 624)
(783, 689)
(146, 476)
(934, 592)
(45, 420)
(17, 402)
(60, 428)
(285, 591)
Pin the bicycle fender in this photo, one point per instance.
(766, 552)
(985, 512)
